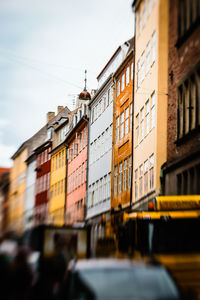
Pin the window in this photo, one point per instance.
(92, 115)
(108, 97)
(188, 114)
(97, 191)
(117, 129)
(131, 116)
(138, 74)
(80, 141)
(63, 158)
(132, 71)
(148, 50)
(115, 180)
(146, 177)
(139, 22)
(142, 122)
(130, 171)
(147, 117)
(120, 177)
(137, 130)
(105, 187)
(142, 67)
(83, 174)
(93, 195)
(95, 113)
(101, 190)
(118, 87)
(144, 13)
(126, 120)
(109, 174)
(140, 180)
(53, 164)
(153, 110)
(125, 175)
(56, 161)
(79, 176)
(122, 125)
(84, 137)
(58, 187)
(153, 57)
(123, 82)
(149, 7)
(104, 102)
(127, 75)
(136, 184)
(111, 94)
(151, 172)
(188, 14)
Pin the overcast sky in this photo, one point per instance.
(45, 46)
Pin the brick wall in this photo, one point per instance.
(181, 60)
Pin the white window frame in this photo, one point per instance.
(142, 66)
(125, 175)
(151, 172)
(153, 113)
(146, 177)
(120, 178)
(117, 129)
(122, 82)
(137, 122)
(148, 53)
(147, 117)
(127, 75)
(142, 123)
(153, 51)
(118, 87)
(138, 74)
(126, 120)
(122, 125)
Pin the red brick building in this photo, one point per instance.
(181, 173)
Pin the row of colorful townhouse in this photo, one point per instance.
(125, 143)
(62, 174)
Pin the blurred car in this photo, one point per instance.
(118, 279)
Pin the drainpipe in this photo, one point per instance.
(65, 206)
(113, 136)
(87, 166)
(133, 93)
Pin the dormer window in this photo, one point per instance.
(49, 133)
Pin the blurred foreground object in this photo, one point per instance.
(118, 279)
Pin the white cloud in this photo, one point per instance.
(5, 153)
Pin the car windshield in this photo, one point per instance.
(128, 283)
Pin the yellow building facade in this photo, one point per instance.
(57, 186)
(17, 190)
(150, 98)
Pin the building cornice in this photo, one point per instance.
(103, 86)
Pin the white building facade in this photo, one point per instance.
(100, 148)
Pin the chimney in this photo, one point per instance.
(59, 109)
(50, 116)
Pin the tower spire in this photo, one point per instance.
(85, 89)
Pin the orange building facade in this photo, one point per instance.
(121, 171)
